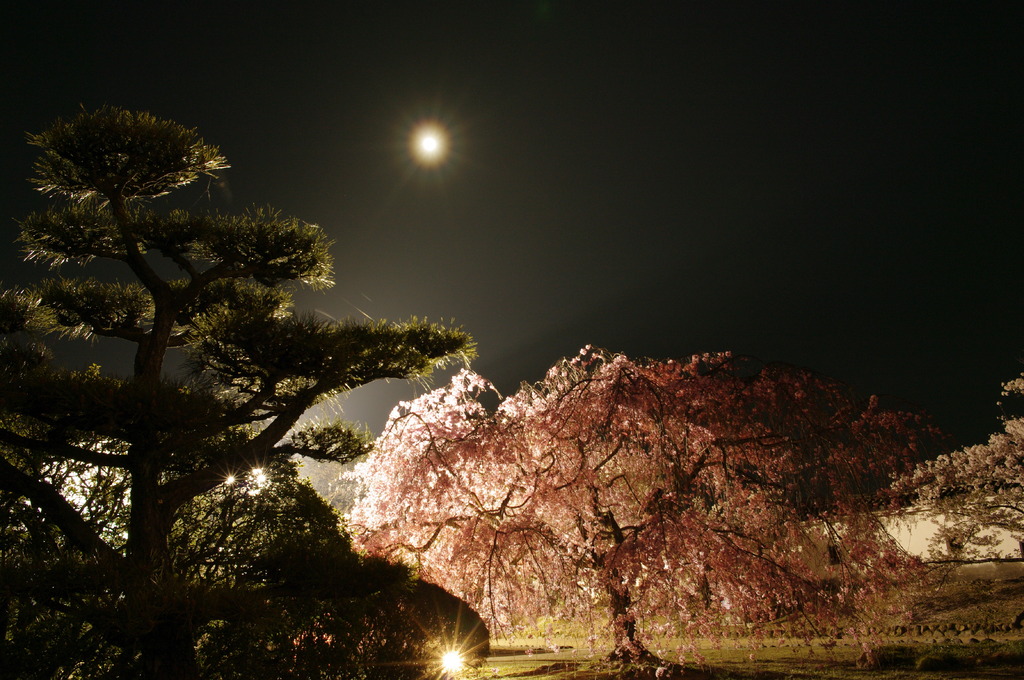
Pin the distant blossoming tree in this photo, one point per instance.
(978, 490)
(675, 497)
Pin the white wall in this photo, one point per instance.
(915, 531)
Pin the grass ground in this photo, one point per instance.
(955, 634)
(918, 662)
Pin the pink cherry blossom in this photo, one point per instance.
(678, 497)
(978, 491)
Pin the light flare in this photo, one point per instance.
(452, 662)
(429, 143)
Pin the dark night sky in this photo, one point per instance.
(835, 185)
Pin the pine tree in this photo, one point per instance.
(106, 471)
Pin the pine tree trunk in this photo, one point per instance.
(168, 647)
(168, 651)
(5, 623)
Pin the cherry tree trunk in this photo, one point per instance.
(628, 648)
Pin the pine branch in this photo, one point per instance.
(57, 509)
(63, 450)
(261, 447)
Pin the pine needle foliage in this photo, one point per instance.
(152, 514)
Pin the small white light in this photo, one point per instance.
(230, 480)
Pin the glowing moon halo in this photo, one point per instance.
(429, 144)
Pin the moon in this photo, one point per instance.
(429, 144)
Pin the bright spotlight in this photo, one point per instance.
(452, 662)
(429, 144)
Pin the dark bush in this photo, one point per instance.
(938, 662)
(451, 622)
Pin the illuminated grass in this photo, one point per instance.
(981, 661)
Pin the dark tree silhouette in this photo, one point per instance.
(121, 486)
